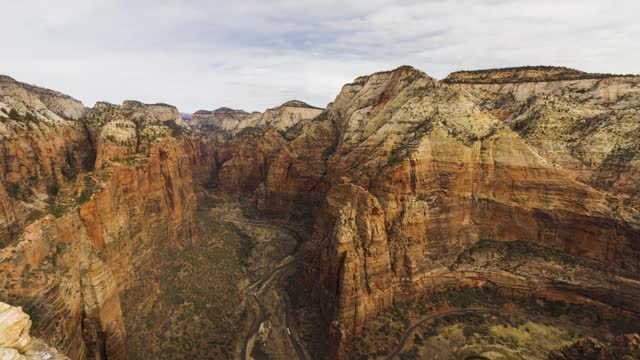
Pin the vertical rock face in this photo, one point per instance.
(254, 143)
(408, 172)
(228, 121)
(356, 260)
(39, 152)
(95, 201)
(222, 119)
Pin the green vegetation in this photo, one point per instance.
(28, 117)
(88, 190)
(516, 330)
(70, 172)
(522, 74)
(34, 215)
(85, 195)
(200, 308)
(252, 131)
(410, 142)
(13, 114)
(176, 130)
(53, 188)
(13, 189)
(57, 210)
(526, 249)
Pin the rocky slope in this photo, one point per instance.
(624, 347)
(584, 123)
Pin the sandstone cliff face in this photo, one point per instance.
(40, 151)
(229, 122)
(222, 119)
(85, 260)
(585, 125)
(439, 172)
(87, 263)
(405, 179)
(243, 161)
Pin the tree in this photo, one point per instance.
(13, 114)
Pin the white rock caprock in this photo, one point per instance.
(14, 328)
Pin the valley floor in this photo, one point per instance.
(222, 296)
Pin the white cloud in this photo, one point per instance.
(255, 54)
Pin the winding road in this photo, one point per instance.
(256, 304)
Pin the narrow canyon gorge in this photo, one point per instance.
(406, 206)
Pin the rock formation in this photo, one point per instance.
(14, 328)
(15, 342)
(587, 127)
(520, 178)
(408, 172)
(229, 121)
(87, 205)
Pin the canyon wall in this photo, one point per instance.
(403, 173)
(520, 178)
(97, 197)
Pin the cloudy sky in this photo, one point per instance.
(255, 54)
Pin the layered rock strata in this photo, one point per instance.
(406, 173)
(519, 178)
(95, 201)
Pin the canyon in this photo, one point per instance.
(128, 231)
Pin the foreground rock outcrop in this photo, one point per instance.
(15, 342)
(14, 328)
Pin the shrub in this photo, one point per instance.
(34, 215)
(56, 210)
(13, 189)
(53, 189)
(30, 117)
(85, 195)
(13, 114)
(417, 339)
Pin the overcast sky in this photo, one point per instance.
(256, 54)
